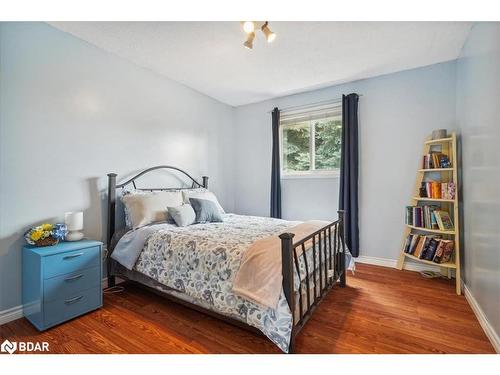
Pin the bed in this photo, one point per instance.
(263, 274)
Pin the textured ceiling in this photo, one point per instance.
(209, 56)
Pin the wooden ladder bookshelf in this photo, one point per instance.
(449, 147)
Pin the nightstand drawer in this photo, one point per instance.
(71, 261)
(66, 286)
(63, 309)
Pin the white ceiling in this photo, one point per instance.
(209, 56)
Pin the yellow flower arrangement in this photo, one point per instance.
(41, 232)
(47, 227)
(36, 234)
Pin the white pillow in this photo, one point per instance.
(201, 194)
(150, 207)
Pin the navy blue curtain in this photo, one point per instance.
(275, 171)
(348, 197)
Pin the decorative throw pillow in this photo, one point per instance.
(183, 215)
(201, 193)
(128, 222)
(150, 207)
(206, 210)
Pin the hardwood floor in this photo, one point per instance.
(381, 310)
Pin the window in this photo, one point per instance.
(310, 142)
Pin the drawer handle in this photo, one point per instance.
(73, 256)
(71, 278)
(72, 300)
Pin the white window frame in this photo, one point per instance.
(312, 173)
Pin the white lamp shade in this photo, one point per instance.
(74, 220)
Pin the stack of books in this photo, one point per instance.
(429, 217)
(436, 160)
(437, 190)
(431, 248)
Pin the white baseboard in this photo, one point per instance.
(391, 263)
(17, 312)
(11, 314)
(481, 317)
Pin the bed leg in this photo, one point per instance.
(291, 347)
(342, 279)
(111, 281)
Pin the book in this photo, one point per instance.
(413, 244)
(425, 245)
(419, 247)
(451, 189)
(406, 246)
(444, 161)
(409, 215)
(443, 220)
(438, 256)
(444, 190)
(421, 216)
(417, 216)
(434, 224)
(448, 190)
(430, 250)
(449, 245)
(444, 251)
(435, 189)
(430, 220)
(423, 190)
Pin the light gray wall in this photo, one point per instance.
(396, 113)
(69, 114)
(478, 115)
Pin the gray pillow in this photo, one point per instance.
(206, 211)
(183, 215)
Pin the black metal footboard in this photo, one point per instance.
(328, 267)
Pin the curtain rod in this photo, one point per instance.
(324, 102)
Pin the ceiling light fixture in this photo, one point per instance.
(249, 28)
(270, 36)
(249, 42)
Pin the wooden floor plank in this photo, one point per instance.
(381, 310)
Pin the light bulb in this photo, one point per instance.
(248, 27)
(249, 42)
(270, 36)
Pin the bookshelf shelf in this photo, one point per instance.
(434, 199)
(450, 207)
(437, 170)
(432, 230)
(446, 265)
(438, 141)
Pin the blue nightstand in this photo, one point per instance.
(61, 282)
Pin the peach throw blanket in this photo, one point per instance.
(259, 278)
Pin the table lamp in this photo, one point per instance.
(74, 222)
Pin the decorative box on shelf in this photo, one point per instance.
(61, 282)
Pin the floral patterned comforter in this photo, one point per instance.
(202, 260)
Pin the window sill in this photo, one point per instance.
(310, 176)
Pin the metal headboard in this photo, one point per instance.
(112, 186)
